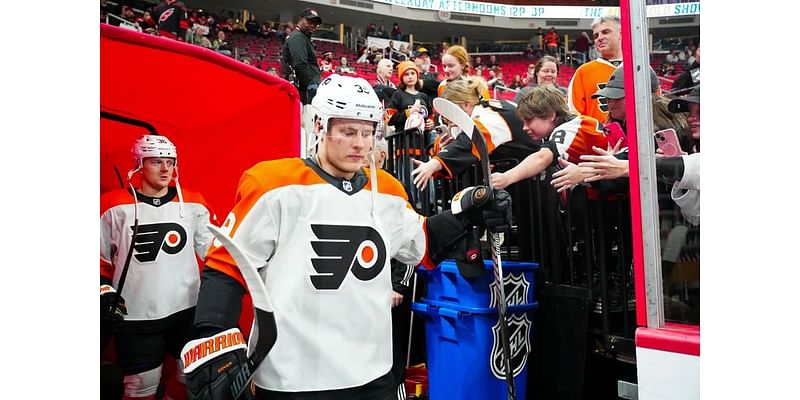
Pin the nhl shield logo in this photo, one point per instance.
(519, 337)
(516, 288)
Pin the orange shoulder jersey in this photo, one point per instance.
(498, 122)
(576, 137)
(587, 80)
(164, 273)
(326, 265)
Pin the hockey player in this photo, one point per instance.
(322, 230)
(163, 278)
(590, 77)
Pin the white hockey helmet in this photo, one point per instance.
(346, 97)
(152, 146)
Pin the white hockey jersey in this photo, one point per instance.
(164, 273)
(327, 269)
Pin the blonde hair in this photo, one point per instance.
(461, 55)
(466, 90)
(541, 101)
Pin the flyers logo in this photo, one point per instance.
(602, 102)
(343, 248)
(151, 238)
(165, 15)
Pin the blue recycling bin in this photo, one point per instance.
(465, 351)
(445, 284)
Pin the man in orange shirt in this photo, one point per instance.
(592, 76)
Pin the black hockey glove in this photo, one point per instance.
(110, 319)
(473, 207)
(212, 365)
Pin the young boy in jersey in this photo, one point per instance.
(322, 231)
(546, 116)
(163, 278)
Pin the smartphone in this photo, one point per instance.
(667, 141)
(614, 133)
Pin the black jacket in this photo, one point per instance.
(299, 59)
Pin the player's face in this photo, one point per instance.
(346, 143)
(451, 66)
(616, 108)
(539, 128)
(156, 174)
(547, 74)
(694, 119)
(607, 39)
(410, 78)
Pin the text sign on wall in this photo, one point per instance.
(518, 11)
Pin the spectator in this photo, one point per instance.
(298, 59)
(478, 62)
(408, 99)
(545, 73)
(396, 33)
(251, 26)
(146, 23)
(267, 31)
(496, 79)
(221, 45)
(239, 27)
(364, 58)
(429, 82)
(456, 66)
(582, 44)
(594, 74)
(171, 15)
(543, 111)
(493, 64)
(326, 62)
(381, 33)
(246, 60)
(202, 40)
(672, 57)
(387, 52)
(690, 78)
(272, 71)
(499, 124)
(128, 15)
(383, 86)
(551, 41)
(516, 82)
(372, 30)
(374, 53)
(344, 68)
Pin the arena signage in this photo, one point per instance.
(519, 11)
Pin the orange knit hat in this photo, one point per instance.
(403, 67)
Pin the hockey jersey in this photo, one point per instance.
(576, 137)
(328, 274)
(499, 124)
(587, 80)
(164, 273)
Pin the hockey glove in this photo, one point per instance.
(473, 207)
(110, 319)
(213, 364)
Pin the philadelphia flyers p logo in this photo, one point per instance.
(151, 238)
(602, 101)
(343, 248)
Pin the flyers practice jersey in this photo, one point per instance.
(576, 137)
(327, 269)
(587, 80)
(164, 274)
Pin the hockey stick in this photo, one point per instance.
(265, 330)
(454, 113)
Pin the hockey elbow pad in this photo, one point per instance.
(213, 366)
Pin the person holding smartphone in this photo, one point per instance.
(614, 93)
